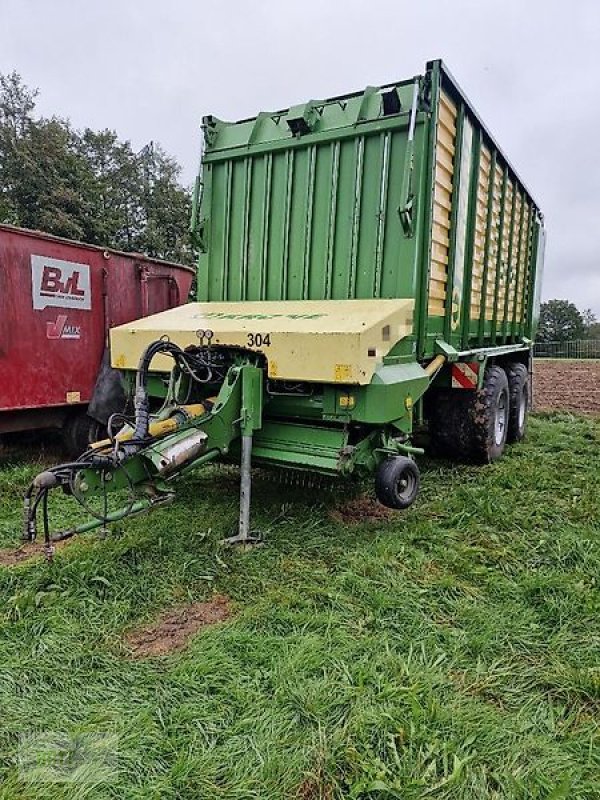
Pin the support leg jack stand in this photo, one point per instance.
(245, 537)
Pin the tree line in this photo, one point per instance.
(561, 321)
(88, 185)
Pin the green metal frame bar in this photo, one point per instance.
(226, 237)
(201, 186)
(139, 507)
(532, 277)
(266, 215)
(514, 323)
(501, 234)
(200, 227)
(460, 123)
(308, 230)
(407, 194)
(470, 241)
(355, 228)
(422, 304)
(335, 160)
(251, 411)
(527, 270)
(453, 355)
(486, 248)
(397, 122)
(385, 147)
(286, 222)
(511, 237)
(245, 249)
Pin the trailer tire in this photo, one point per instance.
(489, 415)
(79, 431)
(518, 387)
(397, 482)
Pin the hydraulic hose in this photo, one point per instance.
(99, 459)
(141, 404)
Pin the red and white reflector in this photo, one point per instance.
(465, 374)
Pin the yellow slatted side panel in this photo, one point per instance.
(442, 203)
(481, 216)
(505, 247)
(512, 286)
(523, 261)
(493, 248)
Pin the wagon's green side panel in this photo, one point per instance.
(394, 192)
(482, 264)
(314, 215)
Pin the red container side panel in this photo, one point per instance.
(57, 301)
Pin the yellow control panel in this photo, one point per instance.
(324, 341)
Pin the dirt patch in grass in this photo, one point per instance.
(313, 788)
(562, 385)
(361, 509)
(173, 629)
(11, 556)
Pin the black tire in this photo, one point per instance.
(518, 389)
(397, 482)
(489, 414)
(462, 422)
(79, 431)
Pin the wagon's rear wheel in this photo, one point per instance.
(489, 416)
(518, 389)
(79, 431)
(397, 482)
(472, 425)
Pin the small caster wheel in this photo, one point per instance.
(397, 482)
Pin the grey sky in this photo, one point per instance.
(151, 69)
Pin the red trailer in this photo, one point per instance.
(58, 299)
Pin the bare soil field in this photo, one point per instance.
(565, 385)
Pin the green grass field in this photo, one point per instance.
(453, 652)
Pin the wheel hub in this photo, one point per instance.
(500, 419)
(522, 408)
